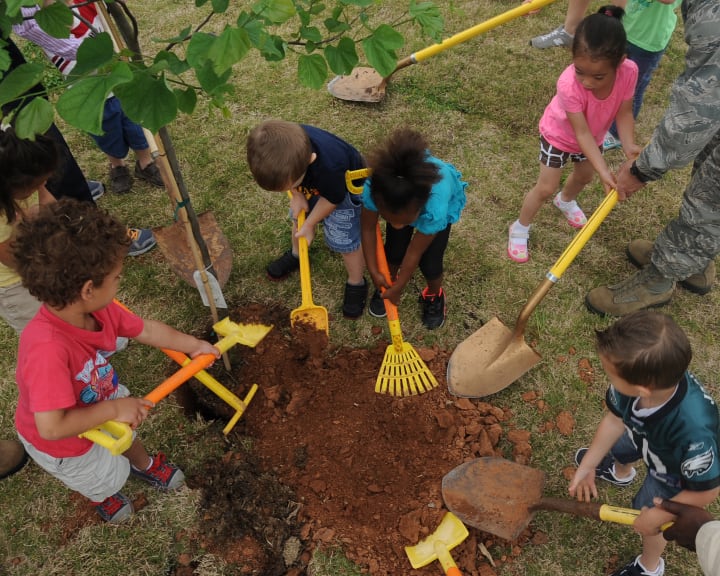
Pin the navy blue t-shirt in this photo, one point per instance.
(326, 175)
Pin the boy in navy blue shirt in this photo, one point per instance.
(311, 164)
(660, 413)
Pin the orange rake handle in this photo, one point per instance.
(390, 308)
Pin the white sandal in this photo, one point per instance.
(517, 251)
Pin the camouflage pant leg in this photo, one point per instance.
(689, 242)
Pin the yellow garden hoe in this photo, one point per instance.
(366, 85)
(437, 546)
(494, 356)
(117, 436)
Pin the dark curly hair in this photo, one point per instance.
(647, 349)
(23, 163)
(67, 244)
(402, 176)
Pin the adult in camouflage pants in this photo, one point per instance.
(685, 250)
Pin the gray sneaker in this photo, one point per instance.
(97, 189)
(552, 39)
(142, 241)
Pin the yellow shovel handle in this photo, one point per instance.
(352, 175)
(115, 436)
(305, 286)
(626, 516)
(465, 35)
(583, 236)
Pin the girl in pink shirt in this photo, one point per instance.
(594, 90)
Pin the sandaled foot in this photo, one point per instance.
(517, 249)
(574, 216)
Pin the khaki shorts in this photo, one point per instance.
(17, 306)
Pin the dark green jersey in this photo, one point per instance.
(681, 438)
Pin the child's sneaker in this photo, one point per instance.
(557, 37)
(606, 469)
(142, 241)
(611, 143)
(354, 300)
(162, 474)
(97, 189)
(377, 305)
(433, 309)
(115, 508)
(284, 266)
(150, 174)
(517, 249)
(120, 179)
(634, 568)
(575, 217)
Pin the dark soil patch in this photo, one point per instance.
(321, 460)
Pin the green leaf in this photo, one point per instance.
(343, 57)
(220, 6)
(94, 52)
(181, 37)
(19, 81)
(4, 58)
(186, 100)
(336, 26)
(174, 64)
(380, 49)
(56, 19)
(312, 70)
(428, 16)
(230, 47)
(363, 3)
(273, 49)
(198, 47)
(209, 80)
(82, 104)
(318, 8)
(35, 118)
(199, 3)
(276, 11)
(304, 17)
(148, 101)
(311, 33)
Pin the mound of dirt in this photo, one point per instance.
(319, 459)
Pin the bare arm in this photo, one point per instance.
(590, 149)
(161, 335)
(651, 519)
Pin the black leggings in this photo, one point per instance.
(431, 262)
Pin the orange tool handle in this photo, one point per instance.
(390, 308)
(178, 378)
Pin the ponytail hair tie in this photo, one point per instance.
(608, 12)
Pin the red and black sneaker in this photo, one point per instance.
(162, 474)
(433, 309)
(115, 508)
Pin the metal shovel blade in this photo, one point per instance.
(493, 495)
(362, 85)
(488, 361)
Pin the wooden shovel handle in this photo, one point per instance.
(594, 510)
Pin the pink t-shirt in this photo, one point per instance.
(571, 96)
(60, 367)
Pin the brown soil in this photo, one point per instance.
(320, 460)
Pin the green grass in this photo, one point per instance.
(479, 105)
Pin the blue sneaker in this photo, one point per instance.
(115, 508)
(142, 241)
(606, 469)
(97, 189)
(611, 143)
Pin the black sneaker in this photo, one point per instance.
(433, 309)
(120, 179)
(282, 267)
(634, 568)
(606, 469)
(354, 300)
(151, 174)
(377, 305)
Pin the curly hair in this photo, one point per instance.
(23, 162)
(278, 153)
(67, 244)
(402, 176)
(647, 349)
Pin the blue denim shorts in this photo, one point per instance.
(120, 133)
(341, 227)
(664, 486)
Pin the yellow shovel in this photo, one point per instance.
(494, 356)
(437, 546)
(307, 313)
